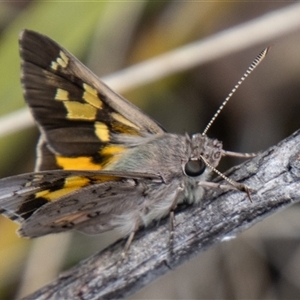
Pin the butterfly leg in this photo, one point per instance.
(172, 218)
(127, 245)
(237, 186)
(171, 236)
(238, 154)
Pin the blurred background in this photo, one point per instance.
(263, 262)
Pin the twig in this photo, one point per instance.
(273, 176)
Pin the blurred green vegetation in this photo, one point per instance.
(109, 36)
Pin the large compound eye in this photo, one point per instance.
(194, 168)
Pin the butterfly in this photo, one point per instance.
(101, 162)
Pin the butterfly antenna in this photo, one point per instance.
(236, 185)
(253, 65)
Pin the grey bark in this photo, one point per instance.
(274, 178)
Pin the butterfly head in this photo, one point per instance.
(204, 152)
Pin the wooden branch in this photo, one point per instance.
(275, 177)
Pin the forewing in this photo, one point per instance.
(83, 122)
(54, 201)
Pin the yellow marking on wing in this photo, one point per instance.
(112, 150)
(77, 163)
(80, 111)
(55, 195)
(42, 194)
(123, 120)
(71, 184)
(104, 178)
(91, 96)
(75, 181)
(64, 59)
(54, 65)
(61, 61)
(111, 153)
(62, 95)
(119, 127)
(102, 131)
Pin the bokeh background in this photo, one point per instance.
(263, 262)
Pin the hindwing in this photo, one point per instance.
(53, 201)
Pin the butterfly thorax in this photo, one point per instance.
(173, 157)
